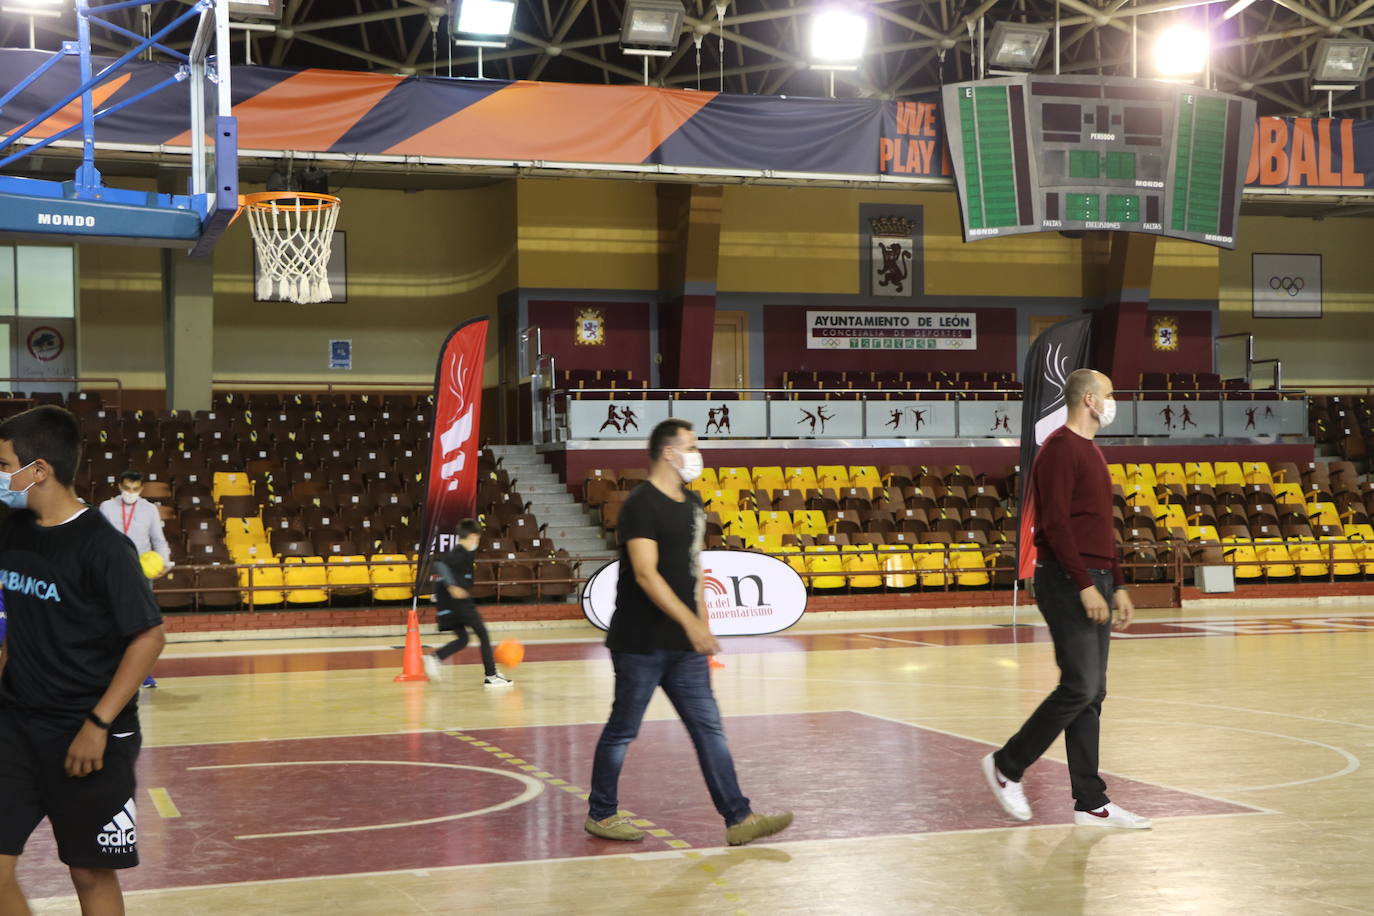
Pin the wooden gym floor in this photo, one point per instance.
(294, 777)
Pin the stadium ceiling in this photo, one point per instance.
(1263, 50)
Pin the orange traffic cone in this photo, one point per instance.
(716, 663)
(412, 666)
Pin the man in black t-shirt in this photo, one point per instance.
(659, 637)
(84, 631)
(457, 612)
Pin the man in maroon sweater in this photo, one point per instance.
(1076, 576)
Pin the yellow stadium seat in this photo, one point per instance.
(1228, 472)
(1309, 557)
(1140, 494)
(743, 523)
(246, 552)
(734, 479)
(706, 482)
(930, 562)
(967, 559)
(793, 557)
(769, 478)
(393, 577)
(861, 559)
(1324, 514)
(1171, 516)
(1118, 474)
(801, 478)
(825, 558)
(306, 571)
(348, 574)
(809, 521)
(265, 578)
(1202, 533)
(243, 530)
(833, 476)
(1288, 494)
(721, 500)
(775, 523)
(230, 483)
(1341, 556)
(1170, 473)
(1145, 473)
(1238, 550)
(896, 561)
(1256, 472)
(865, 476)
(766, 543)
(1364, 548)
(1273, 553)
(1199, 472)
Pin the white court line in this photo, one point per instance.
(1352, 763)
(533, 788)
(639, 856)
(909, 642)
(1148, 782)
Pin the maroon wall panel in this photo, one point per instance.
(627, 335)
(1194, 353)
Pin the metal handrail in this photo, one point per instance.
(83, 380)
(226, 383)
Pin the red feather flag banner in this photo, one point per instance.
(1055, 354)
(450, 484)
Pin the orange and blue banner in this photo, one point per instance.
(552, 124)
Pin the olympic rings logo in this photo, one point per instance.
(1290, 285)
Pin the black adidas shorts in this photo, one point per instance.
(92, 817)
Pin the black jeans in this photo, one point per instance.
(460, 620)
(1075, 706)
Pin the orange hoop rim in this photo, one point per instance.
(264, 200)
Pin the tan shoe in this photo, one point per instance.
(615, 827)
(756, 827)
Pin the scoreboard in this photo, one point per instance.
(1043, 153)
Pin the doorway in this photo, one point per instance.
(730, 351)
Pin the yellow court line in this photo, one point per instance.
(163, 803)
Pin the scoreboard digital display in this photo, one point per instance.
(1045, 153)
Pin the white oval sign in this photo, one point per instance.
(747, 594)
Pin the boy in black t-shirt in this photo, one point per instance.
(83, 632)
(659, 637)
(457, 612)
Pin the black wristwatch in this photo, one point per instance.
(97, 721)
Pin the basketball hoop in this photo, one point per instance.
(292, 231)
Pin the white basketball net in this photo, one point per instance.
(292, 244)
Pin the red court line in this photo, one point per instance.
(845, 774)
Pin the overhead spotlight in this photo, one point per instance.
(255, 9)
(46, 8)
(1016, 46)
(482, 23)
(651, 28)
(1341, 63)
(1181, 50)
(838, 37)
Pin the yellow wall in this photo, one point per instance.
(1333, 349)
(584, 234)
(418, 264)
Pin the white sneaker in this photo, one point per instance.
(1110, 815)
(433, 667)
(497, 680)
(1009, 794)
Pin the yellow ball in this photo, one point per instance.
(152, 564)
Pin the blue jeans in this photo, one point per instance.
(686, 678)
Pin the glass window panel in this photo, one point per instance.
(6, 280)
(46, 281)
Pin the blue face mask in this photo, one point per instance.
(15, 499)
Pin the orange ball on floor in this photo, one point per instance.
(509, 653)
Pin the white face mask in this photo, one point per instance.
(691, 466)
(1107, 414)
(129, 498)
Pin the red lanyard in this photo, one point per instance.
(127, 514)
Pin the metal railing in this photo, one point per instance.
(1250, 361)
(93, 384)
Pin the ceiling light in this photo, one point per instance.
(651, 27)
(45, 8)
(1181, 50)
(1016, 46)
(486, 23)
(1341, 60)
(838, 37)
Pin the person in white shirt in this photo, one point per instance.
(137, 518)
(140, 522)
